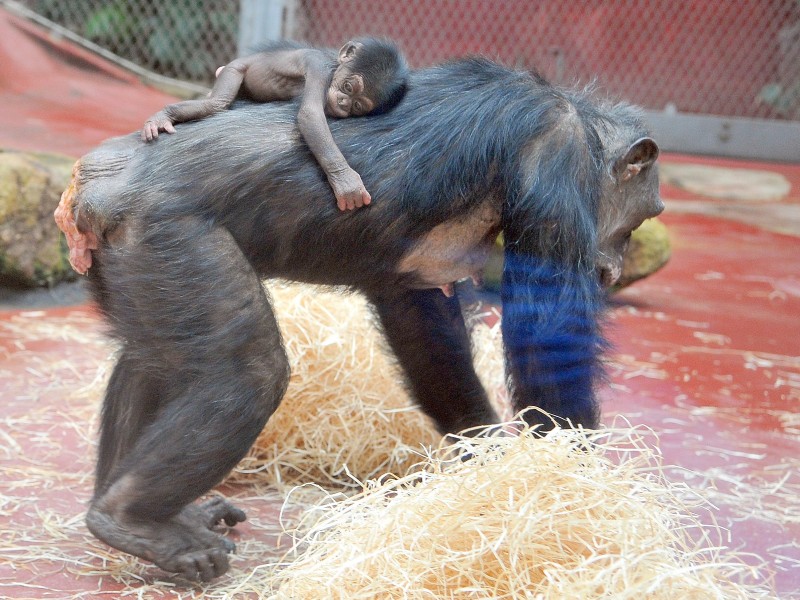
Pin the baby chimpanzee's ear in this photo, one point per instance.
(349, 50)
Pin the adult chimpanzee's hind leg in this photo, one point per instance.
(134, 397)
(201, 370)
(426, 331)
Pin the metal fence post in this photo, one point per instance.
(264, 20)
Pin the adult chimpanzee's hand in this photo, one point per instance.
(349, 189)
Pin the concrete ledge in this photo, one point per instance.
(761, 139)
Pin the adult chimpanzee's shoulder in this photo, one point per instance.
(279, 45)
(472, 71)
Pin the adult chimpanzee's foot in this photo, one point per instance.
(215, 511)
(184, 544)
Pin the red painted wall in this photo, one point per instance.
(704, 56)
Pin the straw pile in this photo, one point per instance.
(571, 515)
(346, 416)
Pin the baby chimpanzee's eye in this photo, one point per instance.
(357, 107)
(348, 87)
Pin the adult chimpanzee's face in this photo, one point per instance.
(630, 195)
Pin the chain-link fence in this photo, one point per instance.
(737, 59)
(184, 39)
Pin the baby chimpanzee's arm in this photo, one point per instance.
(313, 125)
(222, 95)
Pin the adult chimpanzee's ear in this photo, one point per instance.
(349, 50)
(642, 153)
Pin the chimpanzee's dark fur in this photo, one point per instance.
(207, 213)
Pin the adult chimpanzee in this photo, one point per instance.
(201, 219)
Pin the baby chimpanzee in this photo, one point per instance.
(368, 77)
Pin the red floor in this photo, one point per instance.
(57, 97)
(706, 353)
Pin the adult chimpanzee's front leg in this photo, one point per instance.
(426, 331)
(201, 370)
(552, 340)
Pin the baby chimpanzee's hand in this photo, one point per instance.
(158, 122)
(349, 189)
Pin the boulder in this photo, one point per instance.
(648, 251)
(33, 253)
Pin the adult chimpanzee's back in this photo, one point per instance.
(190, 226)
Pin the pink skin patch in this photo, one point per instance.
(80, 244)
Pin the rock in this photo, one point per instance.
(33, 252)
(648, 251)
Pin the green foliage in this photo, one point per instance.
(109, 24)
(186, 39)
(785, 100)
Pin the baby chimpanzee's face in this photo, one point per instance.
(346, 95)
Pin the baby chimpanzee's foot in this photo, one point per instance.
(183, 544)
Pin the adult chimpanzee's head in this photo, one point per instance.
(372, 77)
(630, 195)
